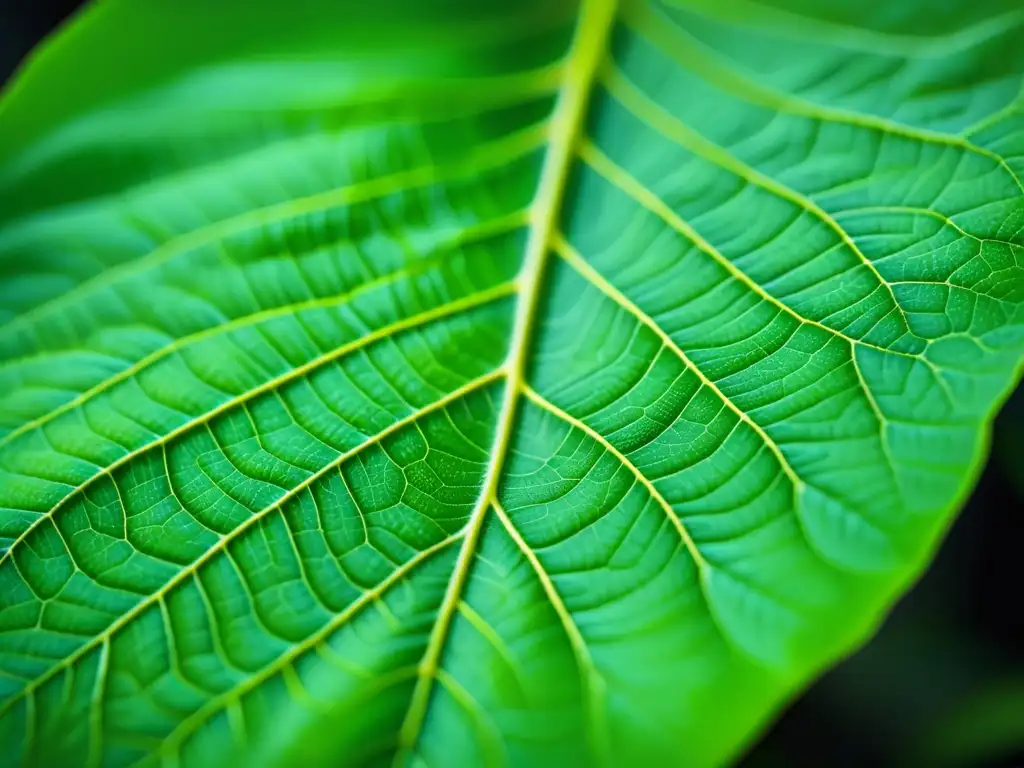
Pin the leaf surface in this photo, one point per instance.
(461, 383)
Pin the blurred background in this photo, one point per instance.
(942, 684)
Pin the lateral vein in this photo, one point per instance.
(500, 291)
(545, 404)
(188, 570)
(418, 267)
(577, 262)
(619, 176)
(487, 156)
(679, 45)
(189, 724)
(667, 124)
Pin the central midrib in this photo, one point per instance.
(565, 128)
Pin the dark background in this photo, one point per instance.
(943, 682)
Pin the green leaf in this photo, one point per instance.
(471, 383)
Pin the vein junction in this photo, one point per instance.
(595, 24)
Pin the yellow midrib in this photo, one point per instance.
(565, 128)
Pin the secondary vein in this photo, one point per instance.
(670, 126)
(443, 253)
(491, 294)
(577, 262)
(193, 567)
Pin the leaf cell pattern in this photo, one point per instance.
(569, 394)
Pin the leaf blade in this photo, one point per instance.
(750, 373)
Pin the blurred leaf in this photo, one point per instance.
(986, 726)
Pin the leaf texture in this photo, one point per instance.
(460, 383)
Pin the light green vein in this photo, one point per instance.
(1014, 107)
(490, 634)
(594, 685)
(816, 30)
(593, 434)
(478, 159)
(416, 103)
(869, 210)
(490, 735)
(569, 254)
(674, 129)
(501, 291)
(193, 567)
(465, 237)
(692, 54)
(583, 267)
(94, 757)
(704, 568)
(189, 725)
(621, 178)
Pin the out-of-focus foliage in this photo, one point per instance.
(987, 725)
